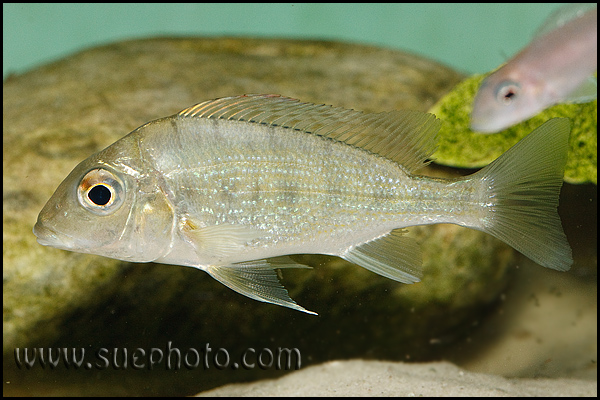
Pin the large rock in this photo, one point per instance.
(58, 114)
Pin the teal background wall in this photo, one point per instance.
(469, 37)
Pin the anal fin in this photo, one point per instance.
(394, 256)
(258, 280)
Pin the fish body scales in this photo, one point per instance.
(303, 193)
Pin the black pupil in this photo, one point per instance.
(99, 195)
(508, 94)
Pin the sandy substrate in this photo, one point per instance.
(542, 341)
(376, 378)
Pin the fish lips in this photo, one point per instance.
(48, 237)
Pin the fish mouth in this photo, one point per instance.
(49, 237)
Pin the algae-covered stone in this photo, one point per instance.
(57, 115)
(458, 146)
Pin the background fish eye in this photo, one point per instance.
(506, 92)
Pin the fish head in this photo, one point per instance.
(111, 205)
(504, 99)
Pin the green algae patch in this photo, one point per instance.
(459, 146)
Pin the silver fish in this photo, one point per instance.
(556, 67)
(230, 185)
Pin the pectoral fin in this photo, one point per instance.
(217, 241)
(394, 256)
(258, 280)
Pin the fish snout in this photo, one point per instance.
(48, 237)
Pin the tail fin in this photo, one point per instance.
(524, 184)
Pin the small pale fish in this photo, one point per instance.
(556, 67)
(234, 185)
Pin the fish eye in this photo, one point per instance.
(507, 92)
(100, 192)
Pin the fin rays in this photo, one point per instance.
(406, 137)
(394, 256)
(525, 183)
(258, 280)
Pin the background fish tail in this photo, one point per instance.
(524, 185)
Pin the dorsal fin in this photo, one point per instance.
(563, 15)
(406, 137)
